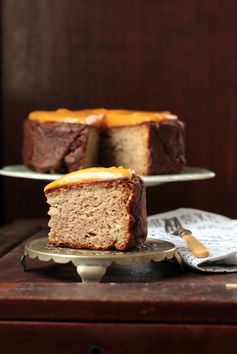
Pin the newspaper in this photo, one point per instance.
(218, 233)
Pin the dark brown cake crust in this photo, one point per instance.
(54, 147)
(138, 214)
(166, 147)
(136, 209)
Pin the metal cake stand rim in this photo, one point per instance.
(98, 254)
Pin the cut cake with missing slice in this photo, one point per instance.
(63, 141)
(97, 208)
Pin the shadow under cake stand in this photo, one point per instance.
(92, 265)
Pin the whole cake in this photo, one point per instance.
(64, 141)
(97, 208)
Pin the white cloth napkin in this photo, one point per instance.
(217, 232)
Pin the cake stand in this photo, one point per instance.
(92, 265)
(187, 174)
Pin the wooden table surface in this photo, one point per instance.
(136, 308)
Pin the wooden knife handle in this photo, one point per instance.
(197, 248)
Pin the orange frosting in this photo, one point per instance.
(90, 175)
(100, 117)
(118, 117)
(86, 116)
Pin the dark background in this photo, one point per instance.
(143, 54)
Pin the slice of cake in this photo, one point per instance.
(148, 142)
(61, 141)
(97, 208)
